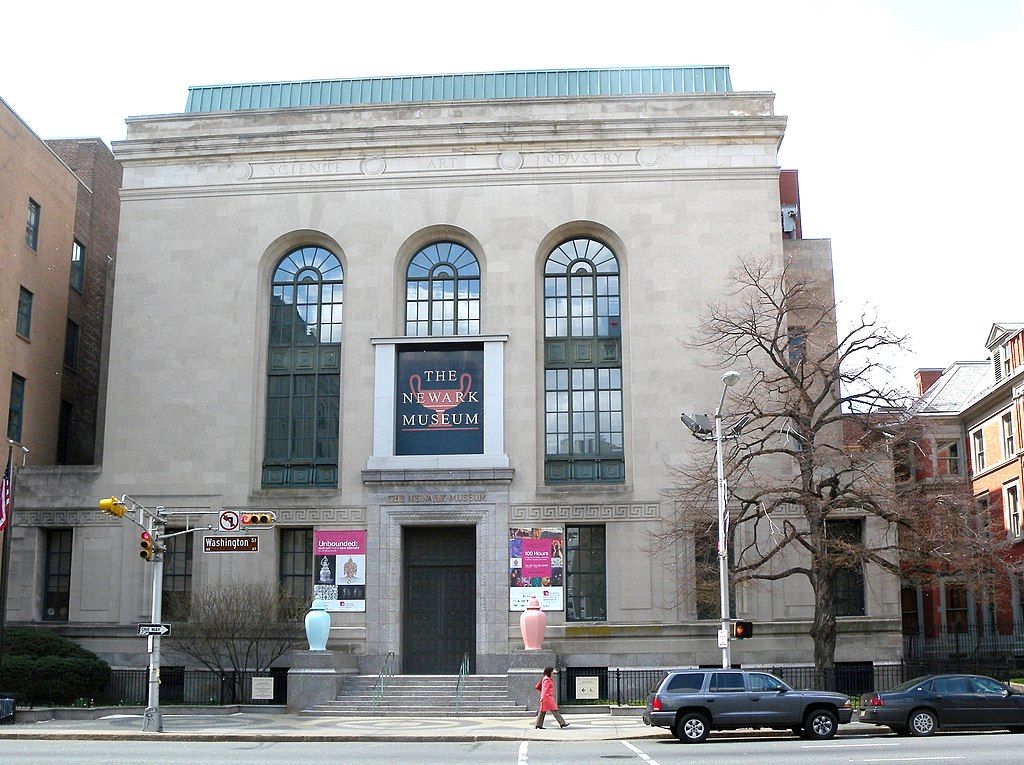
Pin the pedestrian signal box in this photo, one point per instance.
(742, 630)
(113, 506)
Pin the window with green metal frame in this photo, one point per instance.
(582, 365)
(57, 575)
(442, 291)
(177, 580)
(295, 570)
(303, 371)
(585, 574)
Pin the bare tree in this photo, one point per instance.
(236, 626)
(811, 486)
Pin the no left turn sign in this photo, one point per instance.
(228, 520)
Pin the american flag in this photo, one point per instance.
(5, 495)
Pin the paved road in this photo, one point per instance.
(970, 749)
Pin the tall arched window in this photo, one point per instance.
(443, 291)
(582, 364)
(303, 370)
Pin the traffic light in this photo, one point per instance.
(113, 506)
(146, 547)
(742, 630)
(263, 519)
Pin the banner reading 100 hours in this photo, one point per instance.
(339, 569)
(536, 568)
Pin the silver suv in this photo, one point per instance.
(692, 702)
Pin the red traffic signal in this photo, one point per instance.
(742, 630)
(146, 547)
(263, 519)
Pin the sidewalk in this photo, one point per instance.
(254, 727)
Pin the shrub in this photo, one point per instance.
(40, 667)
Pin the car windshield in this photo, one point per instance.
(907, 685)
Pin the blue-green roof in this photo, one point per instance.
(553, 83)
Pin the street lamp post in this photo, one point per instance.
(699, 425)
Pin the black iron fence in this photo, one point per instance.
(632, 686)
(975, 642)
(179, 685)
(614, 686)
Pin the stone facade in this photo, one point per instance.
(679, 187)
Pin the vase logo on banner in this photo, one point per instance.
(439, 401)
(536, 568)
(339, 569)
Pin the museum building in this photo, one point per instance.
(434, 324)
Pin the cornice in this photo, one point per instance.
(288, 142)
(438, 181)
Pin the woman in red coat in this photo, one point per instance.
(546, 686)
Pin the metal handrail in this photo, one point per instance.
(460, 684)
(386, 671)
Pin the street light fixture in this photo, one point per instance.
(700, 426)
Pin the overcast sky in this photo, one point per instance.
(904, 116)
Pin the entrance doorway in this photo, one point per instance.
(438, 599)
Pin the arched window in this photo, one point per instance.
(303, 370)
(582, 364)
(443, 291)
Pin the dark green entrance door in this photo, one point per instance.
(439, 599)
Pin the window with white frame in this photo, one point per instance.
(1009, 447)
(978, 439)
(1011, 505)
(1007, 361)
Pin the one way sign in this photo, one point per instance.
(154, 629)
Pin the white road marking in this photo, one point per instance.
(844, 746)
(915, 759)
(642, 755)
(523, 759)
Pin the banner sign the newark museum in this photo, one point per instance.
(536, 567)
(439, 400)
(339, 569)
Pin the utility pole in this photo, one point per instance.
(153, 720)
(152, 547)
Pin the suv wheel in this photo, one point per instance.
(692, 728)
(821, 724)
(922, 722)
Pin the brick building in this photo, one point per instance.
(58, 240)
(973, 413)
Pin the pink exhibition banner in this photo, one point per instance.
(536, 557)
(339, 569)
(339, 542)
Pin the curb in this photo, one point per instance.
(399, 737)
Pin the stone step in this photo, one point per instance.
(389, 712)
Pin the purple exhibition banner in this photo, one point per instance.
(536, 567)
(339, 569)
(536, 557)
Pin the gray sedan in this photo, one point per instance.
(924, 705)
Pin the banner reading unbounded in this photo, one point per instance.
(339, 569)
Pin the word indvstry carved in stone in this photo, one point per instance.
(625, 512)
(435, 499)
(581, 158)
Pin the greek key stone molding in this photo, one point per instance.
(313, 516)
(635, 511)
(52, 518)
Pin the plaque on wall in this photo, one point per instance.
(439, 400)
